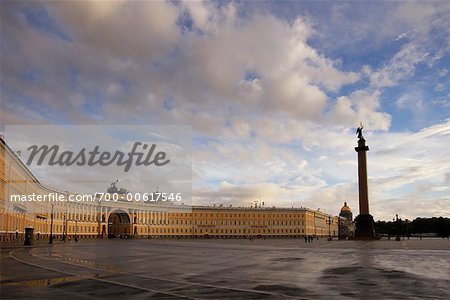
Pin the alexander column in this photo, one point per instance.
(364, 221)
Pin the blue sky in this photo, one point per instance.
(272, 90)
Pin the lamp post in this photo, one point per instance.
(314, 224)
(407, 228)
(65, 227)
(329, 227)
(397, 223)
(51, 226)
(76, 230)
(339, 228)
(99, 218)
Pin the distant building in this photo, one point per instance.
(346, 224)
(94, 219)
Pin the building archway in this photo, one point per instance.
(119, 224)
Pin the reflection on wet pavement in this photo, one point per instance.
(41, 282)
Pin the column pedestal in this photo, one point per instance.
(364, 227)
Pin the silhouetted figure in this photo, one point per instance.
(359, 131)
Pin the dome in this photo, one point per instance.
(345, 208)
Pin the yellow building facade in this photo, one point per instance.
(95, 219)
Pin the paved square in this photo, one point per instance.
(205, 269)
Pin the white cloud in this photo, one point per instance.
(396, 163)
(401, 66)
(412, 101)
(443, 102)
(442, 72)
(361, 106)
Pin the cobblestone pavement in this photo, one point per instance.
(224, 269)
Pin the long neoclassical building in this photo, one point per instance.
(98, 219)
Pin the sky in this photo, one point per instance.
(273, 91)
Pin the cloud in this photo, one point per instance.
(361, 106)
(238, 195)
(131, 59)
(443, 72)
(273, 110)
(126, 29)
(398, 165)
(401, 66)
(421, 17)
(443, 102)
(411, 101)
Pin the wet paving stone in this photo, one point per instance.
(231, 269)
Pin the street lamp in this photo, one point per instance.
(329, 227)
(76, 229)
(407, 228)
(51, 226)
(65, 227)
(339, 228)
(65, 220)
(397, 237)
(314, 224)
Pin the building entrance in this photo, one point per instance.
(119, 225)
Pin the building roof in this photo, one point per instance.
(345, 208)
